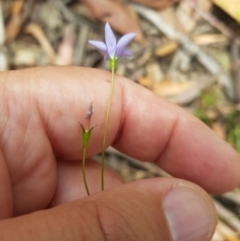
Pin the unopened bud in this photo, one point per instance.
(89, 112)
(87, 131)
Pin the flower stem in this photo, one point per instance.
(83, 169)
(106, 127)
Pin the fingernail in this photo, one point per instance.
(189, 215)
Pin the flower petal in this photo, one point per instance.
(110, 40)
(101, 46)
(123, 42)
(125, 53)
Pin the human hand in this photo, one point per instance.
(41, 146)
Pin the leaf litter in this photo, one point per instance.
(185, 51)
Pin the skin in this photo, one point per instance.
(40, 148)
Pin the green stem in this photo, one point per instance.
(106, 127)
(83, 169)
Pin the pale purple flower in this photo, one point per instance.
(112, 49)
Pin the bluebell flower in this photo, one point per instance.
(112, 49)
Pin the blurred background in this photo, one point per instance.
(187, 51)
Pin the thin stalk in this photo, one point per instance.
(83, 169)
(105, 128)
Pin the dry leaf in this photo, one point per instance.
(14, 25)
(37, 32)
(170, 88)
(192, 91)
(205, 39)
(158, 4)
(219, 130)
(227, 232)
(145, 82)
(169, 15)
(232, 7)
(25, 57)
(166, 49)
(185, 16)
(154, 72)
(82, 9)
(211, 114)
(217, 236)
(153, 76)
(117, 15)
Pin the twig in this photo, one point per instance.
(193, 91)
(70, 16)
(227, 233)
(227, 216)
(207, 61)
(233, 196)
(36, 31)
(80, 49)
(235, 50)
(146, 166)
(213, 21)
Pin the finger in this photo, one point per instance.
(157, 209)
(142, 125)
(70, 182)
(6, 202)
(45, 124)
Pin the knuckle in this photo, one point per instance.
(110, 222)
(113, 223)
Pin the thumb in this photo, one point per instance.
(156, 209)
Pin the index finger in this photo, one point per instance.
(142, 125)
